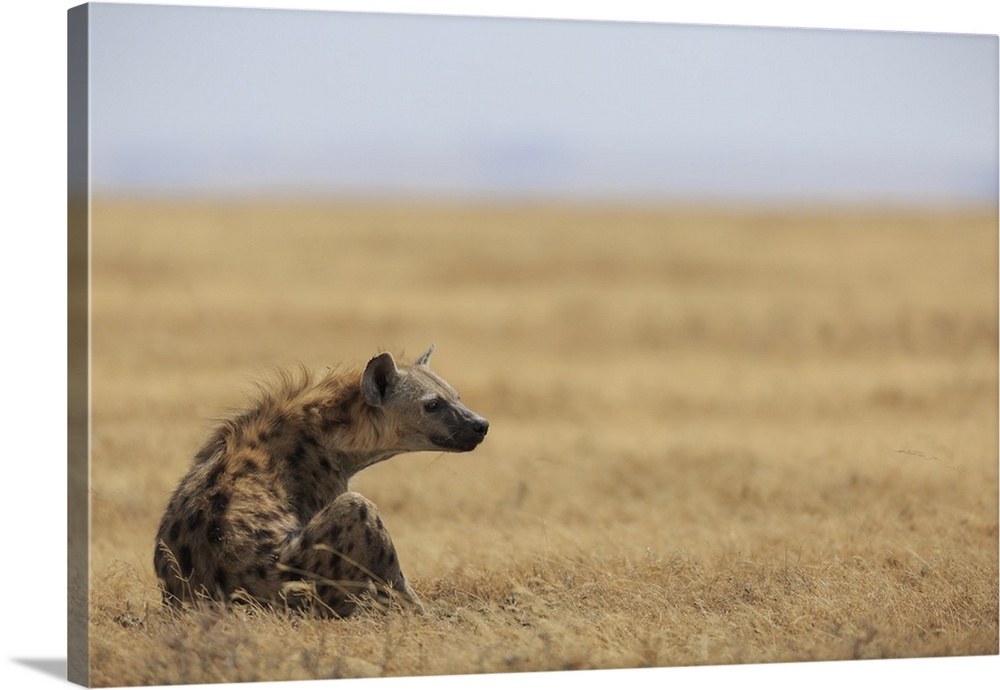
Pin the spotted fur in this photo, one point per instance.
(264, 513)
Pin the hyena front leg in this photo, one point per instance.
(343, 553)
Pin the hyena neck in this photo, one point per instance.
(352, 464)
(352, 434)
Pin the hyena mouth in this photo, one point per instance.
(465, 437)
(456, 444)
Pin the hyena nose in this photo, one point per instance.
(480, 426)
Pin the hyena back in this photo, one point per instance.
(264, 514)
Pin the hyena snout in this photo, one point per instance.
(478, 426)
(464, 430)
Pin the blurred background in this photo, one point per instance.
(219, 101)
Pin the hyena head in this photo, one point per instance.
(426, 410)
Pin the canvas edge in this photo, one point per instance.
(78, 344)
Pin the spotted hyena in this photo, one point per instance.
(264, 514)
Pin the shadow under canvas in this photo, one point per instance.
(50, 667)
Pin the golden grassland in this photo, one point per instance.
(716, 437)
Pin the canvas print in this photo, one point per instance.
(421, 345)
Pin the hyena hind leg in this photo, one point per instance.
(344, 554)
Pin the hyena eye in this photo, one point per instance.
(433, 405)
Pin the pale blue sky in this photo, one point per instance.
(214, 100)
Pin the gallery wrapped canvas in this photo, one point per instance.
(726, 296)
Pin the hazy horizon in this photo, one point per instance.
(219, 101)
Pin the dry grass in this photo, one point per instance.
(716, 438)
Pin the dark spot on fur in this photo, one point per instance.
(171, 596)
(378, 523)
(338, 415)
(194, 520)
(334, 534)
(336, 567)
(214, 532)
(221, 580)
(307, 503)
(219, 501)
(275, 425)
(368, 538)
(245, 420)
(363, 512)
(175, 530)
(260, 572)
(248, 467)
(298, 455)
(184, 560)
(325, 464)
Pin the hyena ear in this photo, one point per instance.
(423, 359)
(379, 376)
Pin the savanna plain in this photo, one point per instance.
(716, 437)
